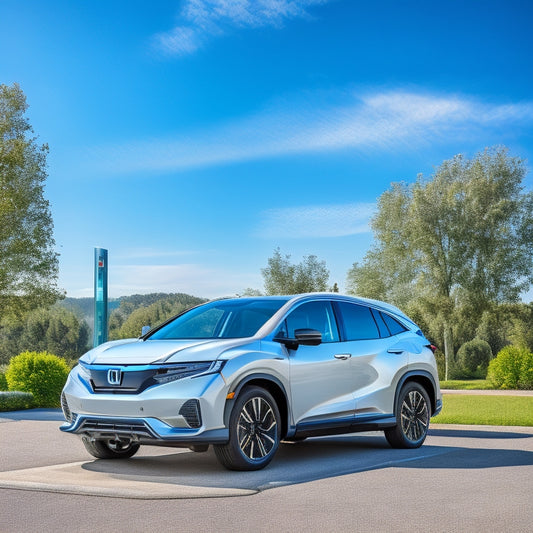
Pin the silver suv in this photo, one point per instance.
(245, 374)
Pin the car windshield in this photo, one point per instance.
(221, 319)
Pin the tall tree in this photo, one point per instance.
(28, 262)
(283, 277)
(460, 240)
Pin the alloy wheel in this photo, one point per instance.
(257, 429)
(414, 416)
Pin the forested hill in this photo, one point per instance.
(127, 312)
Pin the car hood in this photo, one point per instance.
(139, 352)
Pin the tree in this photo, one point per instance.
(452, 245)
(55, 330)
(283, 277)
(28, 262)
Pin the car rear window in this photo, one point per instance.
(394, 326)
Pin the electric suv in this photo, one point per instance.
(245, 374)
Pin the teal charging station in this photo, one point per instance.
(100, 296)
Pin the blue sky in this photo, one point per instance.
(191, 138)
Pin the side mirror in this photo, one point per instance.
(308, 337)
(304, 336)
(145, 330)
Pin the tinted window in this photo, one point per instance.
(312, 315)
(222, 319)
(394, 326)
(383, 329)
(358, 322)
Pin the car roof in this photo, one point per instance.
(292, 299)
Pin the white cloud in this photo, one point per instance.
(316, 221)
(392, 120)
(201, 20)
(152, 253)
(194, 279)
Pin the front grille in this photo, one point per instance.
(111, 428)
(190, 410)
(130, 382)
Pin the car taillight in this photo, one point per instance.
(432, 347)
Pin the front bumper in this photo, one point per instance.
(142, 430)
(179, 413)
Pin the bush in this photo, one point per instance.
(15, 400)
(473, 358)
(40, 373)
(3, 381)
(512, 369)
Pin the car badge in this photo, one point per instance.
(114, 376)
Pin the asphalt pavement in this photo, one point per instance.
(464, 478)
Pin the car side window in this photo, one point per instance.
(313, 315)
(359, 324)
(394, 326)
(383, 329)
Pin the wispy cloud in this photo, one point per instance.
(188, 278)
(202, 20)
(152, 253)
(385, 121)
(316, 221)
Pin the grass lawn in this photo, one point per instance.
(486, 410)
(471, 384)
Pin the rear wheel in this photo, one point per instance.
(254, 431)
(110, 449)
(413, 412)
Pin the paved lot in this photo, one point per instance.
(465, 478)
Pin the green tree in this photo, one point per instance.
(28, 262)
(452, 245)
(474, 357)
(55, 330)
(283, 277)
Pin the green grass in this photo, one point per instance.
(486, 410)
(470, 384)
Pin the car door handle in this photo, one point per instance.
(395, 350)
(343, 355)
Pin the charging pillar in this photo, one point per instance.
(100, 296)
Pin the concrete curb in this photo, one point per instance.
(499, 392)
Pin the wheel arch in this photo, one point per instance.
(270, 384)
(422, 378)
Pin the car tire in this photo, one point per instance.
(254, 431)
(413, 411)
(110, 449)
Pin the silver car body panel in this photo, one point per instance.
(334, 384)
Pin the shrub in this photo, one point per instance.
(40, 373)
(512, 369)
(15, 400)
(3, 381)
(473, 358)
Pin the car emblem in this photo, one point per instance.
(114, 376)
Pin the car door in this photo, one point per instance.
(320, 376)
(374, 362)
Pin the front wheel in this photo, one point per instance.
(110, 449)
(413, 412)
(254, 431)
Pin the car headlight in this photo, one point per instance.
(188, 370)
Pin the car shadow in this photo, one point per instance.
(311, 460)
